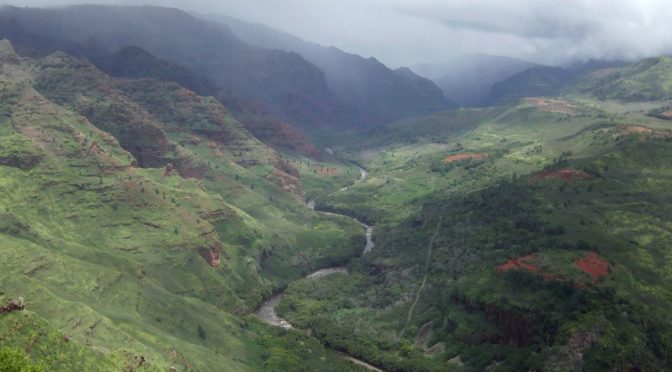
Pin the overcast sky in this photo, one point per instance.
(406, 32)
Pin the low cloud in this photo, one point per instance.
(405, 32)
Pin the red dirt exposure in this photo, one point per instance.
(556, 106)
(637, 129)
(326, 171)
(213, 255)
(565, 174)
(594, 265)
(463, 156)
(527, 263)
(93, 149)
(645, 132)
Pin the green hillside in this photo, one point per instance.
(151, 221)
(532, 238)
(141, 235)
(648, 80)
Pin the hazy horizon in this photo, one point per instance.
(410, 32)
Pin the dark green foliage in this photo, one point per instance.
(20, 152)
(16, 360)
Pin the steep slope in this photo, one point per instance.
(544, 81)
(125, 263)
(133, 62)
(647, 80)
(355, 93)
(469, 78)
(380, 94)
(284, 82)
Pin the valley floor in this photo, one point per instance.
(533, 236)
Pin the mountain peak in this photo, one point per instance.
(7, 52)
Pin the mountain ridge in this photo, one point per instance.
(468, 79)
(291, 88)
(360, 81)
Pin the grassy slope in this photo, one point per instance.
(485, 212)
(113, 258)
(648, 80)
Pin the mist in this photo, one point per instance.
(410, 32)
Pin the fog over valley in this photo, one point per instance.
(410, 32)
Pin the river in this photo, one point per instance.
(266, 312)
(362, 176)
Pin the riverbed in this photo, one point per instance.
(266, 312)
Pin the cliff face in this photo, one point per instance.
(303, 84)
(79, 86)
(372, 92)
(269, 91)
(136, 63)
(286, 84)
(158, 122)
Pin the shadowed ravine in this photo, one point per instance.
(266, 312)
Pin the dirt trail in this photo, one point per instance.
(424, 278)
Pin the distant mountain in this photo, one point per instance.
(382, 94)
(342, 90)
(544, 81)
(135, 63)
(469, 78)
(285, 83)
(647, 80)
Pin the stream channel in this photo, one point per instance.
(266, 312)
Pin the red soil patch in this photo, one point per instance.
(463, 156)
(326, 171)
(553, 105)
(594, 265)
(637, 129)
(565, 174)
(646, 132)
(526, 263)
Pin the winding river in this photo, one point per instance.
(266, 312)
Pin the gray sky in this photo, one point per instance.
(406, 32)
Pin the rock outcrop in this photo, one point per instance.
(13, 305)
(212, 254)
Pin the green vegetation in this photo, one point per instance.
(558, 180)
(16, 360)
(18, 151)
(143, 225)
(128, 262)
(648, 80)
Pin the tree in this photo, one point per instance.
(200, 332)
